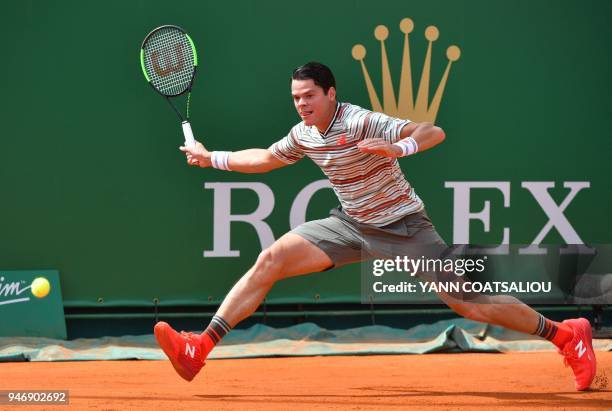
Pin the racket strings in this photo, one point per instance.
(169, 61)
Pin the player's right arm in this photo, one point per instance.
(254, 160)
(286, 151)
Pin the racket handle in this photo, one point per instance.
(189, 140)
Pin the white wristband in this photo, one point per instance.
(220, 160)
(408, 145)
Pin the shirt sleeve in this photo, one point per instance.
(369, 124)
(288, 149)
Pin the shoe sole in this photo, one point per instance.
(165, 342)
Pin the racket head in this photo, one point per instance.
(169, 60)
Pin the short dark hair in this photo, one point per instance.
(317, 72)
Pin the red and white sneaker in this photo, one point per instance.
(184, 350)
(579, 353)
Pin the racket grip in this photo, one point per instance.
(189, 140)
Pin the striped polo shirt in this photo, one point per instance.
(372, 189)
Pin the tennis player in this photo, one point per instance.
(380, 214)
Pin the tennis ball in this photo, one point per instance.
(40, 287)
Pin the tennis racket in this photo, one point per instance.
(169, 61)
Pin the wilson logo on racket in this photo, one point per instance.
(168, 61)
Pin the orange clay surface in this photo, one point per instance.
(439, 381)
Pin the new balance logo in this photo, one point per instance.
(190, 351)
(580, 348)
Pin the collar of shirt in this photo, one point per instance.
(331, 123)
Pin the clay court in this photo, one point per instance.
(435, 381)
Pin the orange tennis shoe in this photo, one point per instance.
(184, 350)
(579, 353)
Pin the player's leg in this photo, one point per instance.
(572, 337)
(289, 256)
(502, 310)
(313, 246)
(505, 311)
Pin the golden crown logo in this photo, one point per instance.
(407, 107)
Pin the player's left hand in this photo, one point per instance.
(379, 147)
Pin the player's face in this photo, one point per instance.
(314, 106)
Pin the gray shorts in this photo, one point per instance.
(347, 241)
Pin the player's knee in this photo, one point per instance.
(268, 267)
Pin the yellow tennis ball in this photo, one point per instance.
(40, 287)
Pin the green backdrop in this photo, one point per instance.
(92, 182)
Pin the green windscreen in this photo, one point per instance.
(168, 59)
